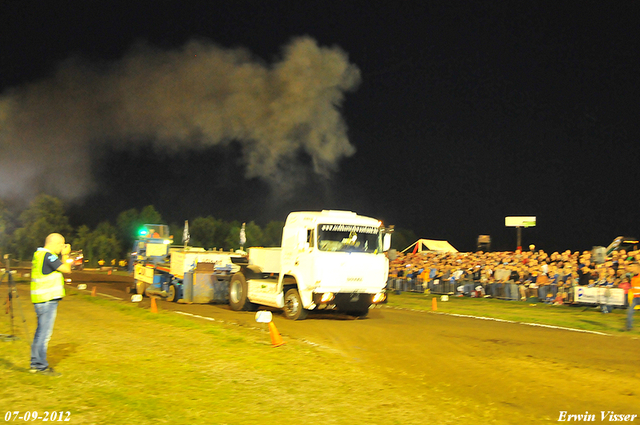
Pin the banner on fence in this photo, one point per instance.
(586, 295)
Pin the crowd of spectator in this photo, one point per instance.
(516, 275)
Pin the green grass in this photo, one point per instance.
(577, 317)
(122, 364)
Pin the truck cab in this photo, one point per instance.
(328, 260)
(152, 245)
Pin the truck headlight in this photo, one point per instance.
(326, 297)
(379, 297)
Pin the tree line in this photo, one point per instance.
(21, 234)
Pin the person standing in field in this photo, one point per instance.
(47, 289)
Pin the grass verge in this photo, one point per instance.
(576, 317)
(121, 364)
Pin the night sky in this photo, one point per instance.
(462, 113)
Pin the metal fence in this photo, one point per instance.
(470, 288)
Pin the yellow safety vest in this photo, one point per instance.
(44, 287)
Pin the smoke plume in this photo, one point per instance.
(198, 95)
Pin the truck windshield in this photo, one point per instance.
(348, 238)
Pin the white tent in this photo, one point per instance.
(430, 245)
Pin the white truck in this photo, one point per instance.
(328, 260)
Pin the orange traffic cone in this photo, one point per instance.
(109, 272)
(434, 304)
(94, 291)
(154, 306)
(276, 339)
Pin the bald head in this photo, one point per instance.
(54, 243)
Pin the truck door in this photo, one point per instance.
(298, 260)
(304, 264)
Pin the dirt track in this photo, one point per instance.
(517, 370)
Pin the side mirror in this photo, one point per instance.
(386, 242)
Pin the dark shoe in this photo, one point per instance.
(48, 371)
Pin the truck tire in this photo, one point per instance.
(172, 293)
(293, 309)
(238, 289)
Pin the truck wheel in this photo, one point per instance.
(172, 293)
(293, 309)
(238, 293)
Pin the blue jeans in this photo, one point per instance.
(636, 301)
(46, 313)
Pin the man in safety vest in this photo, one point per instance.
(634, 293)
(47, 289)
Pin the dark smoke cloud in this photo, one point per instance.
(200, 94)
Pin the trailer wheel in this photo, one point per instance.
(172, 293)
(238, 293)
(293, 309)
